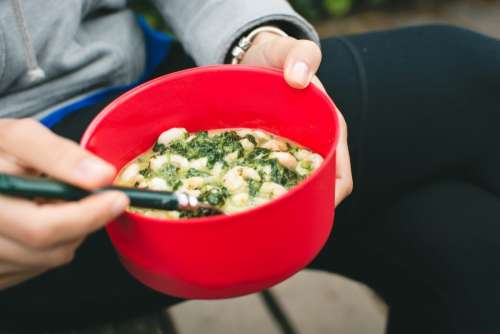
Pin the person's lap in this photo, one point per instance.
(423, 115)
(411, 99)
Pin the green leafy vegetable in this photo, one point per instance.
(258, 153)
(254, 187)
(178, 147)
(284, 176)
(195, 172)
(291, 149)
(167, 170)
(170, 174)
(146, 172)
(201, 212)
(213, 148)
(251, 139)
(215, 196)
(159, 148)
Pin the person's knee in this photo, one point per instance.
(462, 46)
(445, 31)
(450, 229)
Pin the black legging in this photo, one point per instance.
(421, 228)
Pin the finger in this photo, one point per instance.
(344, 181)
(36, 146)
(8, 281)
(343, 188)
(17, 257)
(9, 165)
(315, 80)
(44, 226)
(299, 59)
(8, 268)
(301, 63)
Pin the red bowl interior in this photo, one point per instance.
(222, 256)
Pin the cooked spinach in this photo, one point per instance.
(146, 172)
(251, 139)
(254, 187)
(284, 176)
(201, 212)
(195, 172)
(257, 154)
(215, 196)
(213, 148)
(167, 170)
(170, 174)
(159, 148)
(178, 147)
(174, 183)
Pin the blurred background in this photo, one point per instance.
(315, 302)
(338, 17)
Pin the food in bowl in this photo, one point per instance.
(231, 169)
(225, 255)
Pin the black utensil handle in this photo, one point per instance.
(148, 198)
(31, 187)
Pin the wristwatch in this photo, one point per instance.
(246, 42)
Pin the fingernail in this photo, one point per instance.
(300, 73)
(91, 168)
(120, 203)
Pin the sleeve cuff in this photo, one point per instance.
(208, 29)
(293, 26)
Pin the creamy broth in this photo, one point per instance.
(232, 169)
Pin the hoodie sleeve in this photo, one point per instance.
(208, 28)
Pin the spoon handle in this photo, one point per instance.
(31, 187)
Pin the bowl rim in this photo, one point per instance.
(206, 69)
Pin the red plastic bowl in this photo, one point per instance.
(222, 256)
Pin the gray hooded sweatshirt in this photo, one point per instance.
(54, 52)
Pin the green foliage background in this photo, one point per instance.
(311, 9)
(315, 9)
